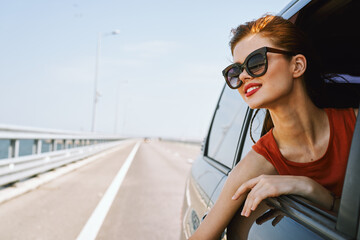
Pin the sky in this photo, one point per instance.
(160, 76)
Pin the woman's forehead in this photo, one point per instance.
(249, 44)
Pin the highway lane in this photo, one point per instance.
(147, 205)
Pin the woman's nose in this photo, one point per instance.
(244, 76)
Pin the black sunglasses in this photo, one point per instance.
(256, 64)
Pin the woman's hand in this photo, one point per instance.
(272, 213)
(265, 186)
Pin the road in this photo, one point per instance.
(146, 206)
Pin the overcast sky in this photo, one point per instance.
(160, 76)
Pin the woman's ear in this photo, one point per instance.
(299, 62)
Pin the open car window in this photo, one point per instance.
(256, 130)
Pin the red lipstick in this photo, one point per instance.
(251, 92)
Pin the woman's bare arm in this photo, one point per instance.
(265, 186)
(253, 180)
(251, 166)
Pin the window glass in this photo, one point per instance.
(255, 128)
(226, 127)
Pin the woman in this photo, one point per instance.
(302, 154)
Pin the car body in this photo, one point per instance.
(333, 27)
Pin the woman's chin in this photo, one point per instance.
(254, 105)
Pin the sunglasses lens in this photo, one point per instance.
(233, 77)
(256, 64)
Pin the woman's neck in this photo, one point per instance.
(292, 122)
(300, 129)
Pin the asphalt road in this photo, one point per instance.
(146, 206)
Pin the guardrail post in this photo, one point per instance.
(14, 148)
(34, 147)
(64, 144)
(37, 146)
(53, 145)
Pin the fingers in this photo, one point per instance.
(272, 213)
(253, 199)
(248, 185)
(262, 190)
(265, 186)
(277, 220)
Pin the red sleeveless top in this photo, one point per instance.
(329, 170)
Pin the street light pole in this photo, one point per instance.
(96, 93)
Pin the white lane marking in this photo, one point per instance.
(92, 227)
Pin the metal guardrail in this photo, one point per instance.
(183, 140)
(74, 146)
(15, 169)
(56, 139)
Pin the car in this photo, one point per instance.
(333, 27)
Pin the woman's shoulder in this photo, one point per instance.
(267, 147)
(342, 122)
(255, 164)
(267, 140)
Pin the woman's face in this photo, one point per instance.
(275, 85)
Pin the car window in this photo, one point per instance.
(226, 127)
(256, 130)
